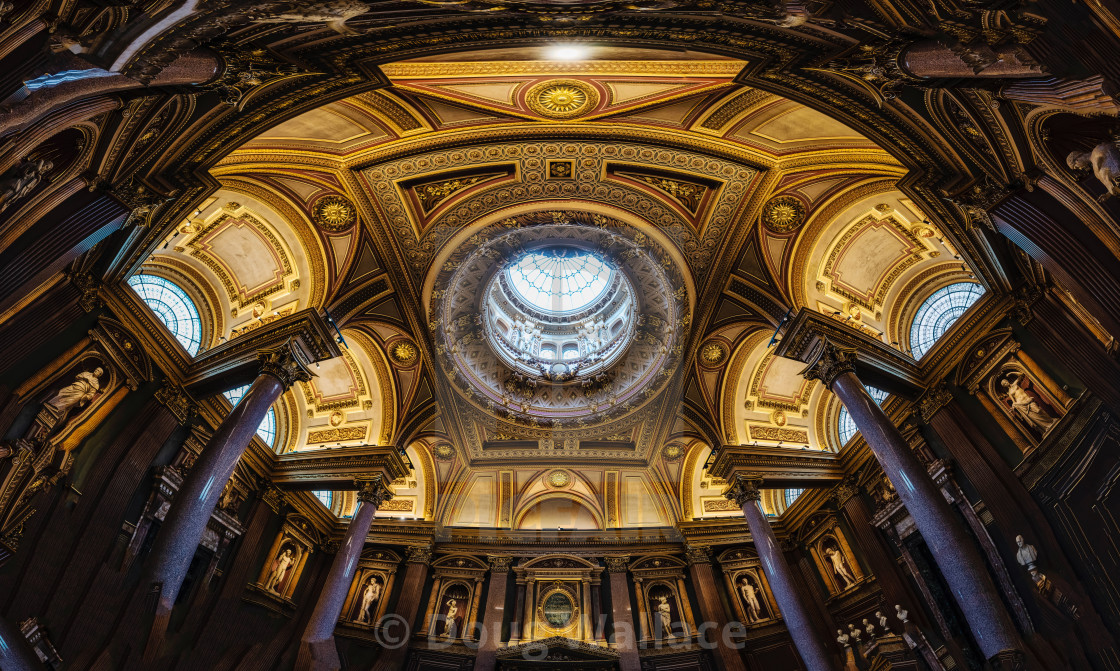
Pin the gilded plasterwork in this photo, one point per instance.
(863, 270)
(245, 255)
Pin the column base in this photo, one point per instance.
(318, 656)
(1008, 660)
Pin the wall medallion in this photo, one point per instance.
(782, 214)
(562, 98)
(672, 452)
(558, 479)
(443, 451)
(404, 353)
(713, 353)
(334, 214)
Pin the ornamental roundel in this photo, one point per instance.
(782, 214)
(672, 452)
(713, 353)
(404, 353)
(558, 479)
(562, 98)
(443, 451)
(334, 214)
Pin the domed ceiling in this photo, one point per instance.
(570, 264)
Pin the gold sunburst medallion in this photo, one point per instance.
(559, 479)
(782, 214)
(404, 353)
(335, 213)
(712, 354)
(562, 98)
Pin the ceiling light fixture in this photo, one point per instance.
(567, 52)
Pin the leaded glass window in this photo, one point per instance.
(560, 279)
(173, 307)
(845, 426)
(267, 429)
(791, 496)
(326, 498)
(938, 312)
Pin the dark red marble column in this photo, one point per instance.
(492, 621)
(711, 609)
(16, 653)
(397, 628)
(625, 636)
(186, 520)
(805, 638)
(944, 534)
(317, 651)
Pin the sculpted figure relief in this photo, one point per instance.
(1026, 404)
(333, 13)
(1104, 161)
(839, 565)
(664, 616)
(27, 176)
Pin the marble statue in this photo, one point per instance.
(1026, 555)
(903, 615)
(333, 13)
(883, 624)
(27, 176)
(665, 615)
(854, 633)
(1026, 405)
(840, 566)
(82, 390)
(279, 569)
(370, 594)
(843, 639)
(1104, 161)
(452, 613)
(869, 628)
(750, 598)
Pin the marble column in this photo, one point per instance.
(16, 654)
(805, 638)
(624, 637)
(944, 533)
(397, 628)
(492, 620)
(317, 651)
(190, 511)
(711, 608)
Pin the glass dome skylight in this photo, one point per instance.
(560, 279)
(938, 312)
(173, 307)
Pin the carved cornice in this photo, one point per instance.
(778, 466)
(338, 468)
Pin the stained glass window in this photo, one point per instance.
(791, 496)
(326, 498)
(938, 313)
(560, 279)
(846, 427)
(267, 429)
(173, 307)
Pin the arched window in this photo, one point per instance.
(267, 429)
(845, 426)
(791, 496)
(548, 352)
(173, 307)
(570, 352)
(326, 498)
(938, 313)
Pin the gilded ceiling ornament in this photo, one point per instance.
(713, 353)
(672, 452)
(404, 353)
(336, 418)
(558, 479)
(562, 98)
(334, 214)
(443, 451)
(782, 214)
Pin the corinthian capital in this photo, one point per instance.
(287, 363)
(830, 363)
(743, 490)
(374, 491)
(618, 564)
(500, 563)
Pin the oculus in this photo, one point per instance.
(562, 98)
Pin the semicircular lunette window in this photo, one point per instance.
(791, 496)
(560, 279)
(938, 312)
(267, 429)
(845, 426)
(173, 307)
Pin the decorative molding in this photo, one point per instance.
(830, 363)
(288, 363)
(743, 490)
(617, 563)
(937, 397)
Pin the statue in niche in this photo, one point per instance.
(370, 594)
(748, 589)
(663, 615)
(78, 394)
(1026, 404)
(279, 570)
(25, 177)
(844, 577)
(1104, 161)
(451, 615)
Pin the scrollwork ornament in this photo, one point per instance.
(420, 554)
(617, 563)
(831, 362)
(698, 554)
(844, 491)
(743, 490)
(175, 399)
